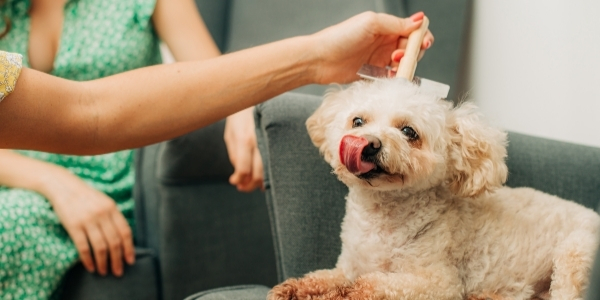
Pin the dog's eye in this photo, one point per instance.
(357, 122)
(410, 133)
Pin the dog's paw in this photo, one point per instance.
(309, 287)
(284, 291)
(359, 290)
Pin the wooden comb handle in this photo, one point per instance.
(408, 63)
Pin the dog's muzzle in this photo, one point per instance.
(358, 153)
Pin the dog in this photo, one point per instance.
(427, 215)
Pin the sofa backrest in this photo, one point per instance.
(215, 14)
(567, 170)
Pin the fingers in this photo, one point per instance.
(95, 225)
(242, 173)
(242, 149)
(396, 57)
(427, 40)
(99, 247)
(126, 235)
(399, 52)
(250, 176)
(257, 170)
(114, 245)
(385, 24)
(110, 238)
(83, 247)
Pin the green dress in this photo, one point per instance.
(99, 38)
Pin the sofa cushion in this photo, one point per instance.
(197, 156)
(206, 233)
(567, 170)
(240, 292)
(140, 281)
(306, 201)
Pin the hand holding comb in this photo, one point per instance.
(408, 65)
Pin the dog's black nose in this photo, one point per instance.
(373, 147)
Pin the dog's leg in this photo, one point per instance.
(572, 262)
(428, 285)
(315, 285)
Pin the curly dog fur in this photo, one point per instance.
(427, 215)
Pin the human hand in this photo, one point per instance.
(242, 149)
(372, 38)
(92, 220)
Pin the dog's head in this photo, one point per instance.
(383, 135)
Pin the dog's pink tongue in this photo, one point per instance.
(351, 148)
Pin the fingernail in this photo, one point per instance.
(428, 44)
(417, 16)
(398, 56)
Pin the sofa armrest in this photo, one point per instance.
(566, 170)
(140, 281)
(305, 201)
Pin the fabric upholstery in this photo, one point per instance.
(273, 20)
(140, 281)
(215, 15)
(567, 170)
(206, 233)
(593, 292)
(306, 201)
(242, 292)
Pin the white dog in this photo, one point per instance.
(427, 216)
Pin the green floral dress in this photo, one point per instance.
(99, 38)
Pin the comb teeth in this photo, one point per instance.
(426, 86)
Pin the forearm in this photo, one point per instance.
(157, 103)
(147, 105)
(18, 171)
(196, 94)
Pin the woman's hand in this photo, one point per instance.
(372, 38)
(240, 139)
(98, 229)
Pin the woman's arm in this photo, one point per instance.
(180, 26)
(91, 218)
(148, 105)
(22, 172)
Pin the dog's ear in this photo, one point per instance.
(477, 153)
(318, 122)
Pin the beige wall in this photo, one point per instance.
(534, 66)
